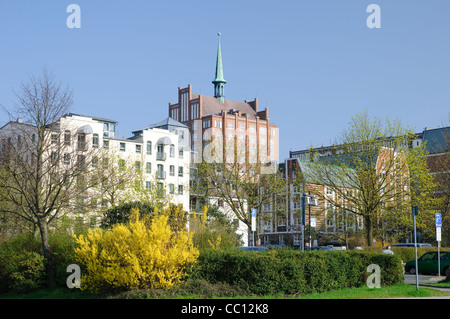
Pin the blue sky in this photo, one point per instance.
(314, 63)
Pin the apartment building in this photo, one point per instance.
(210, 118)
(157, 155)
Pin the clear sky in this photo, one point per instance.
(314, 63)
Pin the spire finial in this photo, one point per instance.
(219, 81)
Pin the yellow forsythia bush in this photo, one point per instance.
(134, 255)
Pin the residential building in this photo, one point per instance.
(216, 117)
(156, 154)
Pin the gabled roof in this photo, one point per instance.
(211, 105)
(339, 176)
(96, 118)
(162, 124)
(437, 140)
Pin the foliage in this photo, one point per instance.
(376, 175)
(120, 214)
(212, 229)
(132, 256)
(26, 251)
(26, 271)
(294, 272)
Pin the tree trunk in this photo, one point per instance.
(368, 227)
(49, 265)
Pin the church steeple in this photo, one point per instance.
(219, 81)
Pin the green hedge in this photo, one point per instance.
(22, 265)
(294, 272)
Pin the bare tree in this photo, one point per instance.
(45, 165)
(243, 182)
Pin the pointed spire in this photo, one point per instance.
(219, 81)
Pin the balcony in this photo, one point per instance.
(160, 156)
(161, 175)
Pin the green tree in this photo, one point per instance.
(374, 173)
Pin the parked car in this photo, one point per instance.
(321, 248)
(428, 263)
(337, 245)
(253, 248)
(410, 245)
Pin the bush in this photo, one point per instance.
(13, 260)
(62, 246)
(27, 271)
(121, 214)
(294, 272)
(132, 257)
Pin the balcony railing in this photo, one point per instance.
(161, 175)
(161, 156)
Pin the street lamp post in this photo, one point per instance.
(309, 200)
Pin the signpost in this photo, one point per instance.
(438, 239)
(253, 224)
(415, 212)
(309, 200)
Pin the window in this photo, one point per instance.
(95, 140)
(148, 167)
(54, 138)
(81, 161)
(149, 147)
(241, 127)
(172, 150)
(137, 166)
(180, 153)
(148, 185)
(180, 171)
(67, 137)
(105, 144)
(172, 170)
(122, 147)
(67, 158)
(108, 130)
(138, 149)
(54, 157)
(81, 142)
(180, 189)
(160, 171)
(160, 190)
(230, 124)
(171, 188)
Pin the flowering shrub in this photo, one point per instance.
(134, 255)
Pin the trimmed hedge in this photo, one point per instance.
(294, 272)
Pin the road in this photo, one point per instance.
(411, 279)
(423, 281)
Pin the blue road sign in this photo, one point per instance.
(253, 212)
(415, 210)
(438, 220)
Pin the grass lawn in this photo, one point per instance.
(48, 293)
(397, 291)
